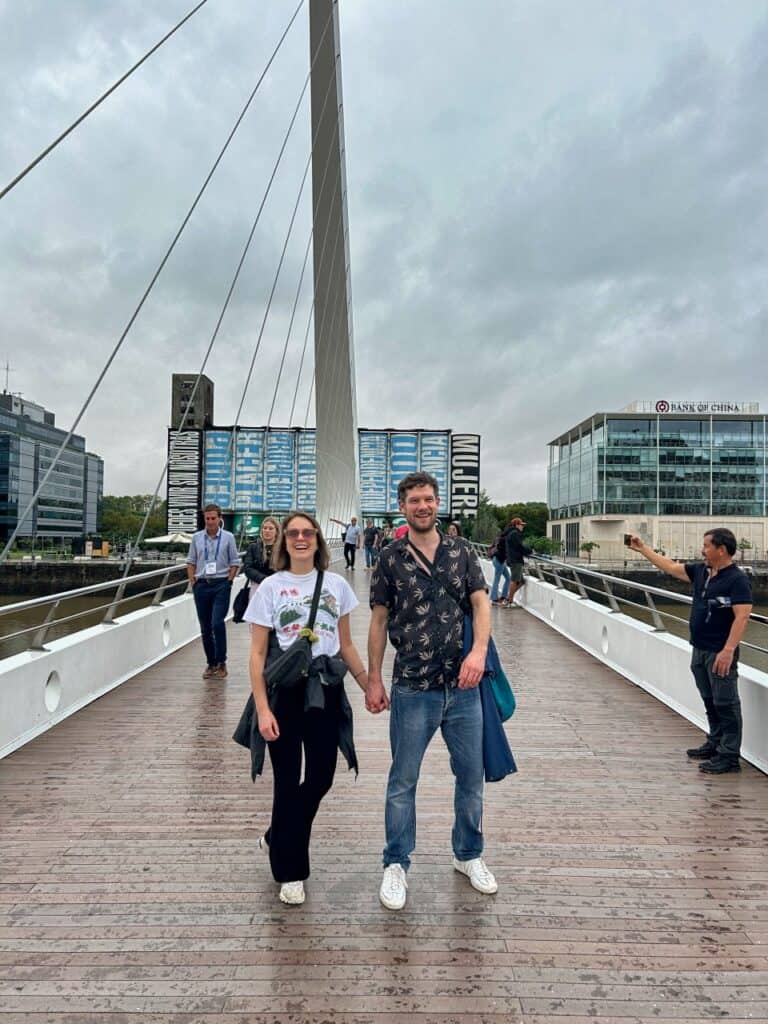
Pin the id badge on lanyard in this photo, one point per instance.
(210, 565)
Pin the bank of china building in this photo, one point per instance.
(666, 470)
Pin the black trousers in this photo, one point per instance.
(721, 703)
(296, 801)
(349, 554)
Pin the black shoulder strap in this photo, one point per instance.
(421, 559)
(428, 567)
(315, 600)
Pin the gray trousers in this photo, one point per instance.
(721, 703)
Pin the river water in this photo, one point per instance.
(90, 610)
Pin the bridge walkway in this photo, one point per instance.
(632, 888)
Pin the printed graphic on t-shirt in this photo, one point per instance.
(292, 611)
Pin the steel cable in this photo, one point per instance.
(60, 138)
(145, 296)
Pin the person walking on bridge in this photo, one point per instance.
(350, 534)
(422, 587)
(309, 720)
(722, 604)
(515, 551)
(212, 564)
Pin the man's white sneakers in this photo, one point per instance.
(292, 892)
(393, 887)
(479, 876)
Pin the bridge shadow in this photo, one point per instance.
(631, 886)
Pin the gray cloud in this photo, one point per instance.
(554, 209)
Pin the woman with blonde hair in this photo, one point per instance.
(257, 561)
(313, 716)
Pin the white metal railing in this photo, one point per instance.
(592, 583)
(169, 581)
(587, 608)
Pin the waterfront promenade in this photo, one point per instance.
(631, 887)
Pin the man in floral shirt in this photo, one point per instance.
(421, 589)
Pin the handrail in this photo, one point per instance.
(92, 588)
(119, 585)
(558, 570)
(110, 607)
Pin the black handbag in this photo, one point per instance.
(240, 604)
(290, 667)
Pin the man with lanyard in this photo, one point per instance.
(722, 604)
(212, 564)
(421, 588)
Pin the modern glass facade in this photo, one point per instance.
(659, 465)
(69, 504)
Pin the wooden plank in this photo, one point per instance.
(632, 888)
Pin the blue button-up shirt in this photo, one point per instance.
(220, 548)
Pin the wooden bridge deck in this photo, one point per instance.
(632, 888)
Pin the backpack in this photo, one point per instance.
(498, 549)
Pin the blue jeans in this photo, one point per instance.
(500, 571)
(212, 605)
(415, 716)
(370, 556)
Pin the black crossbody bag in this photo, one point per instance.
(289, 668)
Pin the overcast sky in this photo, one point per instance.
(554, 208)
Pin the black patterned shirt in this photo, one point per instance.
(426, 621)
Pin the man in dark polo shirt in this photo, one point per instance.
(421, 587)
(722, 603)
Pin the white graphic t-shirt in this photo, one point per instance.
(283, 603)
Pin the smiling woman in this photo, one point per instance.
(301, 601)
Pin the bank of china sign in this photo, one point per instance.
(663, 406)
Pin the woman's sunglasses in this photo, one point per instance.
(309, 533)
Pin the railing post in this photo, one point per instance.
(161, 589)
(658, 624)
(558, 582)
(38, 640)
(611, 599)
(109, 615)
(583, 596)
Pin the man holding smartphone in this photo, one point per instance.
(722, 604)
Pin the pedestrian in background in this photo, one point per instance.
(212, 564)
(257, 561)
(722, 604)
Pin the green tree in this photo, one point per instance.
(485, 525)
(589, 546)
(744, 545)
(533, 513)
(544, 545)
(123, 515)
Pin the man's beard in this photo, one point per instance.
(422, 525)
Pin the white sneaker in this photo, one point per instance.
(292, 892)
(478, 874)
(393, 887)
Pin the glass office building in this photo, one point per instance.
(70, 503)
(655, 465)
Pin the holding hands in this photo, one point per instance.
(376, 699)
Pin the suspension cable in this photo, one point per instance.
(60, 138)
(247, 513)
(230, 292)
(145, 296)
